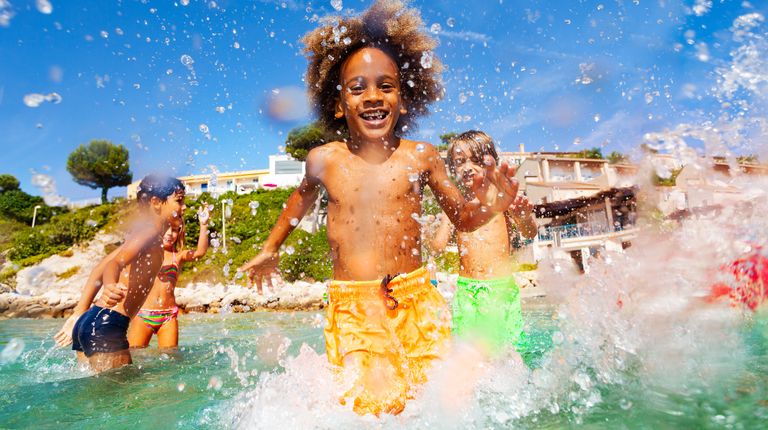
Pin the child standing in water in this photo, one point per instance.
(486, 307)
(372, 75)
(99, 332)
(158, 313)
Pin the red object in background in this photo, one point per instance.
(750, 280)
(269, 185)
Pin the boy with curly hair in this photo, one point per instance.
(370, 76)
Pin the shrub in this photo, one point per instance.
(310, 256)
(72, 271)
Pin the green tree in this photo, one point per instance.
(8, 183)
(616, 157)
(20, 206)
(744, 159)
(301, 140)
(595, 153)
(445, 140)
(100, 164)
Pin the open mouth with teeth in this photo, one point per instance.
(374, 115)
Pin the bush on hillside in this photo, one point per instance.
(62, 232)
(20, 206)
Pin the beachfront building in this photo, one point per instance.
(283, 171)
(582, 205)
(708, 182)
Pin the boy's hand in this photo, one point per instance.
(261, 265)
(521, 207)
(204, 214)
(499, 197)
(64, 336)
(111, 295)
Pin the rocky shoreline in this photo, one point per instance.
(51, 288)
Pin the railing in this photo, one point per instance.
(569, 231)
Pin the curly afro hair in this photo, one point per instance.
(390, 26)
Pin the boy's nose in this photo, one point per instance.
(372, 94)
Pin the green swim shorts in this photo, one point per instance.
(488, 312)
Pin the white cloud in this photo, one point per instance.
(466, 35)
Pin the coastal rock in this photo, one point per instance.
(204, 297)
(65, 273)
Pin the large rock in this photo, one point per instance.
(44, 277)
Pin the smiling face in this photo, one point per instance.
(370, 99)
(465, 164)
(170, 237)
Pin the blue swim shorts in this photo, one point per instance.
(100, 330)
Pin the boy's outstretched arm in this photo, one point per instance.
(91, 288)
(469, 216)
(296, 207)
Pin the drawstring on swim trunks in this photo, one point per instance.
(388, 293)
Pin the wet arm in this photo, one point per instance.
(297, 205)
(465, 215)
(93, 284)
(126, 254)
(441, 237)
(202, 245)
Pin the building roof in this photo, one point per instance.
(205, 176)
(617, 196)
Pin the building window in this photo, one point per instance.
(230, 185)
(287, 167)
(204, 187)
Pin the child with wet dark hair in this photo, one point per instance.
(98, 331)
(486, 306)
(371, 76)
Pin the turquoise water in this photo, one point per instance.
(232, 368)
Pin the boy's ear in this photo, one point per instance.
(339, 113)
(403, 108)
(156, 204)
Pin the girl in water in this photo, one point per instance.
(158, 313)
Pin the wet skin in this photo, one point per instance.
(376, 180)
(485, 252)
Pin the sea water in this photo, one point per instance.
(258, 370)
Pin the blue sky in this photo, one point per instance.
(553, 75)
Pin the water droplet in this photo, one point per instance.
(181, 386)
(236, 45)
(450, 22)
(203, 128)
(347, 41)
(648, 98)
(187, 61)
(625, 404)
(410, 83)
(44, 6)
(435, 28)
(462, 98)
(185, 2)
(220, 109)
(426, 60)
(338, 87)
(337, 4)
(597, 117)
(413, 177)
(557, 338)
(420, 147)
(294, 222)
(289, 250)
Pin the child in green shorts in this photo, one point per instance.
(486, 308)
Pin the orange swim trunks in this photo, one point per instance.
(384, 335)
